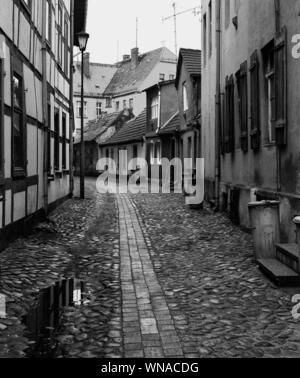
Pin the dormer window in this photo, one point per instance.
(154, 108)
(185, 98)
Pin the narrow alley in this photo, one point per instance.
(157, 280)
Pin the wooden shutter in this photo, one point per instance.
(281, 87)
(231, 115)
(243, 105)
(255, 113)
(226, 125)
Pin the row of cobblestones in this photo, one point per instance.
(221, 304)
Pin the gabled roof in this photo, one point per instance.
(128, 79)
(133, 131)
(192, 62)
(171, 126)
(95, 128)
(99, 78)
(80, 16)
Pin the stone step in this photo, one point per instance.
(288, 254)
(279, 273)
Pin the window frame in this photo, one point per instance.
(56, 140)
(98, 107)
(185, 99)
(49, 21)
(154, 105)
(17, 71)
(64, 141)
(162, 77)
(59, 30)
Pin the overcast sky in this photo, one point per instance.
(115, 20)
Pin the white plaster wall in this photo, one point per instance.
(5, 17)
(32, 150)
(19, 206)
(1, 214)
(8, 214)
(32, 199)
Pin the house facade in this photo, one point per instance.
(113, 88)
(36, 43)
(188, 85)
(95, 133)
(162, 123)
(96, 78)
(250, 114)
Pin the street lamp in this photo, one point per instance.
(82, 42)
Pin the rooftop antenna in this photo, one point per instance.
(196, 10)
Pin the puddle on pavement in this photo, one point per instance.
(44, 320)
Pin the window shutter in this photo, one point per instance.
(243, 108)
(255, 117)
(227, 107)
(231, 115)
(281, 87)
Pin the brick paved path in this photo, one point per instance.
(148, 327)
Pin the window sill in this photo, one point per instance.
(66, 171)
(58, 174)
(50, 178)
(269, 144)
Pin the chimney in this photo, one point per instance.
(134, 57)
(86, 64)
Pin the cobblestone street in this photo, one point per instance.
(161, 280)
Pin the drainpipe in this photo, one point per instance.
(278, 151)
(217, 106)
(71, 117)
(45, 109)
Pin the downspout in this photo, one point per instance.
(278, 151)
(217, 106)
(45, 110)
(71, 117)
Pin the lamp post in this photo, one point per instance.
(82, 42)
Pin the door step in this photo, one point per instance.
(288, 254)
(279, 273)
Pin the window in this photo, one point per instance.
(131, 103)
(227, 13)
(56, 141)
(117, 106)
(18, 150)
(134, 151)
(281, 87)
(59, 34)
(269, 73)
(155, 152)
(229, 142)
(255, 121)
(185, 98)
(154, 108)
(49, 21)
(78, 109)
(66, 45)
(210, 29)
(172, 77)
(161, 77)
(242, 86)
(124, 104)
(204, 39)
(98, 109)
(49, 154)
(64, 141)
(108, 102)
(1, 115)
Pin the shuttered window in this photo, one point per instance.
(56, 141)
(255, 111)
(242, 85)
(281, 87)
(229, 121)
